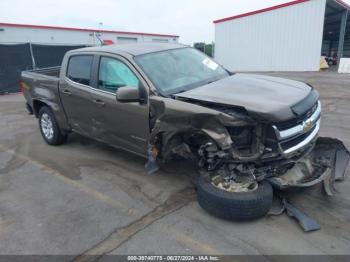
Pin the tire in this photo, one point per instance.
(55, 137)
(234, 206)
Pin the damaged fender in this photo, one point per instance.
(174, 117)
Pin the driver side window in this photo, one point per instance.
(114, 74)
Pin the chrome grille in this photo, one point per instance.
(299, 135)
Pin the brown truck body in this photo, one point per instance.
(249, 124)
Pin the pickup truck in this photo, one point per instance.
(248, 133)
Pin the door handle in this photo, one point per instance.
(99, 102)
(66, 92)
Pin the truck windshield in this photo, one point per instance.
(179, 70)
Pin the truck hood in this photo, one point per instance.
(264, 97)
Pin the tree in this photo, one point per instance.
(208, 49)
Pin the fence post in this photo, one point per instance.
(32, 55)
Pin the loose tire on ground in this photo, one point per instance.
(234, 206)
(57, 137)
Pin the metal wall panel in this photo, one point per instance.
(17, 34)
(285, 39)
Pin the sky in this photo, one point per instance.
(192, 20)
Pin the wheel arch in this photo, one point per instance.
(56, 109)
(182, 143)
(37, 105)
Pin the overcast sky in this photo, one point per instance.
(191, 19)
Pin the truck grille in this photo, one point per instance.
(295, 134)
(290, 143)
(298, 120)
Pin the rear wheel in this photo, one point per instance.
(49, 128)
(243, 200)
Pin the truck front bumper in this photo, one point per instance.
(326, 163)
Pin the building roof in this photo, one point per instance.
(83, 29)
(340, 2)
(133, 49)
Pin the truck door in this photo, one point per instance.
(122, 124)
(75, 93)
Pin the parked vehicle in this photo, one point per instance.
(247, 132)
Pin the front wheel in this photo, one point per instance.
(49, 128)
(238, 201)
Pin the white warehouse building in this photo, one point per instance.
(53, 35)
(287, 37)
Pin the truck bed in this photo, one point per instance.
(41, 78)
(41, 85)
(52, 72)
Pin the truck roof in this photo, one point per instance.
(133, 49)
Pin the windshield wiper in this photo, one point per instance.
(211, 81)
(177, 92)
(216, 79)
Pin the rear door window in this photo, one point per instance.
(79, 69)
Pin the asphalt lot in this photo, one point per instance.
(87, 198)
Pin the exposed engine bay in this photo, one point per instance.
(237, 149)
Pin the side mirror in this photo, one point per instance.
(128, 94)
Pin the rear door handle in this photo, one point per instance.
(66, 92)
(99, 102)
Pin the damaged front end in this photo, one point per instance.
(234, 149)
(326, 163)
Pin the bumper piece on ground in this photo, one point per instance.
(306, 223)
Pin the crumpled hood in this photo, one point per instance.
(264, 97)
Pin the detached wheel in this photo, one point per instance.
(49, 128)
(245, 200)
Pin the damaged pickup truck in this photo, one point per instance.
(248, 133)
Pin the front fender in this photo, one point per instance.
(174, 116)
